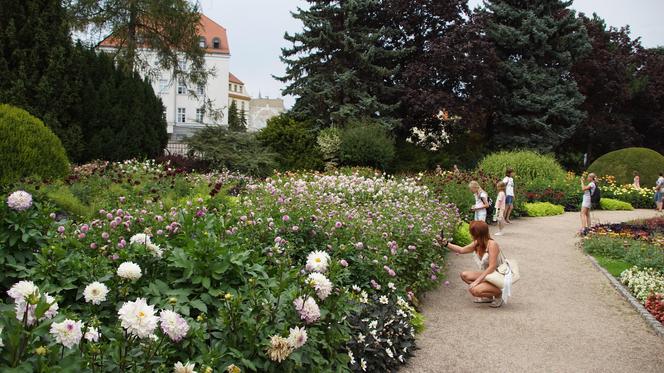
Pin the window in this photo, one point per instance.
(200, 90)
(242, 106)
(182, 87)
(163, 85)
(182, 115)
(216, 43)
(182, 64)
(201, 42)
(200, 113)
(240, 87)
(230, 87)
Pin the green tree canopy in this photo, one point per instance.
(537, 100)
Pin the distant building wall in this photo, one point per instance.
(262, 109)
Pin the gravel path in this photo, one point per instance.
(564, 315)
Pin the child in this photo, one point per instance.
(500, 207)
(481, 201)
(509, 194)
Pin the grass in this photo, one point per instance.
(614, 266)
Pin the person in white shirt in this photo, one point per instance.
(509, 194)
(659, 191)
(481, 201)
(586, 203)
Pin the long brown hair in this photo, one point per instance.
(479, 230)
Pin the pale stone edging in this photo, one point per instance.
(657, 326)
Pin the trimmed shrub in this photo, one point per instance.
(543, 209)
(28, 147)
(622, 163)
(462, 235)
(367, 145)
(294, 143)
(527, 165)
(614, 205)
(237, 151)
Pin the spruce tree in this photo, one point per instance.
(537, 101)
(339, 66)
(234, 119)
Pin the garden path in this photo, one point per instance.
(564, 315)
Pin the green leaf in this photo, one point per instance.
(197, 304)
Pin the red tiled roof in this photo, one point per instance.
(233, 79)
(208, 29)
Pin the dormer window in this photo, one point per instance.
(216, 43)
(201, 42)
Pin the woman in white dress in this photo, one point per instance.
(487, 255)
(481, 201)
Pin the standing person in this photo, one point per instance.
(481, 201)
(659, 191)
(637, 180)
(586, 205)
(486, 253)
(509, 193)
(500, 207)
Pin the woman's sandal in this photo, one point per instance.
(483, 300)
(496, 302)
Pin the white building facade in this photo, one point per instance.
(185, 104)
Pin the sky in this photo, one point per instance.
(256, 29)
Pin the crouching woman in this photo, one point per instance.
(486, 253)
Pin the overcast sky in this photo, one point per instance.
(256, 29)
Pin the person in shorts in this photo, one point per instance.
(587, 203)
(509, 194)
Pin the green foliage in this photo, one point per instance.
(236, 151)
(62, 197)
(410, 157)
(462, 235)
(633, 251)
(614, 204)
(622, 163)
(614, 266)
(367, 145)
(339, 66)
(527, 165)
(28, 148)
(543, 209)
(565, 192)
(538, 105)
(97, 110)
(293, 141)
(236, 123)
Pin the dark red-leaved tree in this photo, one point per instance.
(606, 78)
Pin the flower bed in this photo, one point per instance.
(298, 272)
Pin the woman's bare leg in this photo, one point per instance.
(584, 217)
(469, 276)
(485, 290)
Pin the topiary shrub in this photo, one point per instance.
(527, 165)
(28, 147)
(367, 144)
(614, 205)
(622, 163)
(543, 209)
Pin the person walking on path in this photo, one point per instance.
(500, 207)
(637, 180)
(586, 204)
(509, 193)
(659, 190)
(481, 201)
(486, 253)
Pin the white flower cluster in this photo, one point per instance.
(19, 200)
(318, 261)
(68, 332)
(143, 239)
(643, 282)
(95, 292)
(321, 284)
(139, 319)
(129, 271)
(26, 296)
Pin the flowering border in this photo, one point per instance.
(656, 326)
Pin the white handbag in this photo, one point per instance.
(505, 275)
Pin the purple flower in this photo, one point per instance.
(105, 235)
(338, 225)
(343, 263)
(93, 246)
(285, 218)
(85, 228)
(81, 236)
(61, 229)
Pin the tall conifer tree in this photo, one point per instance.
(537, 42)
(339, 66)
